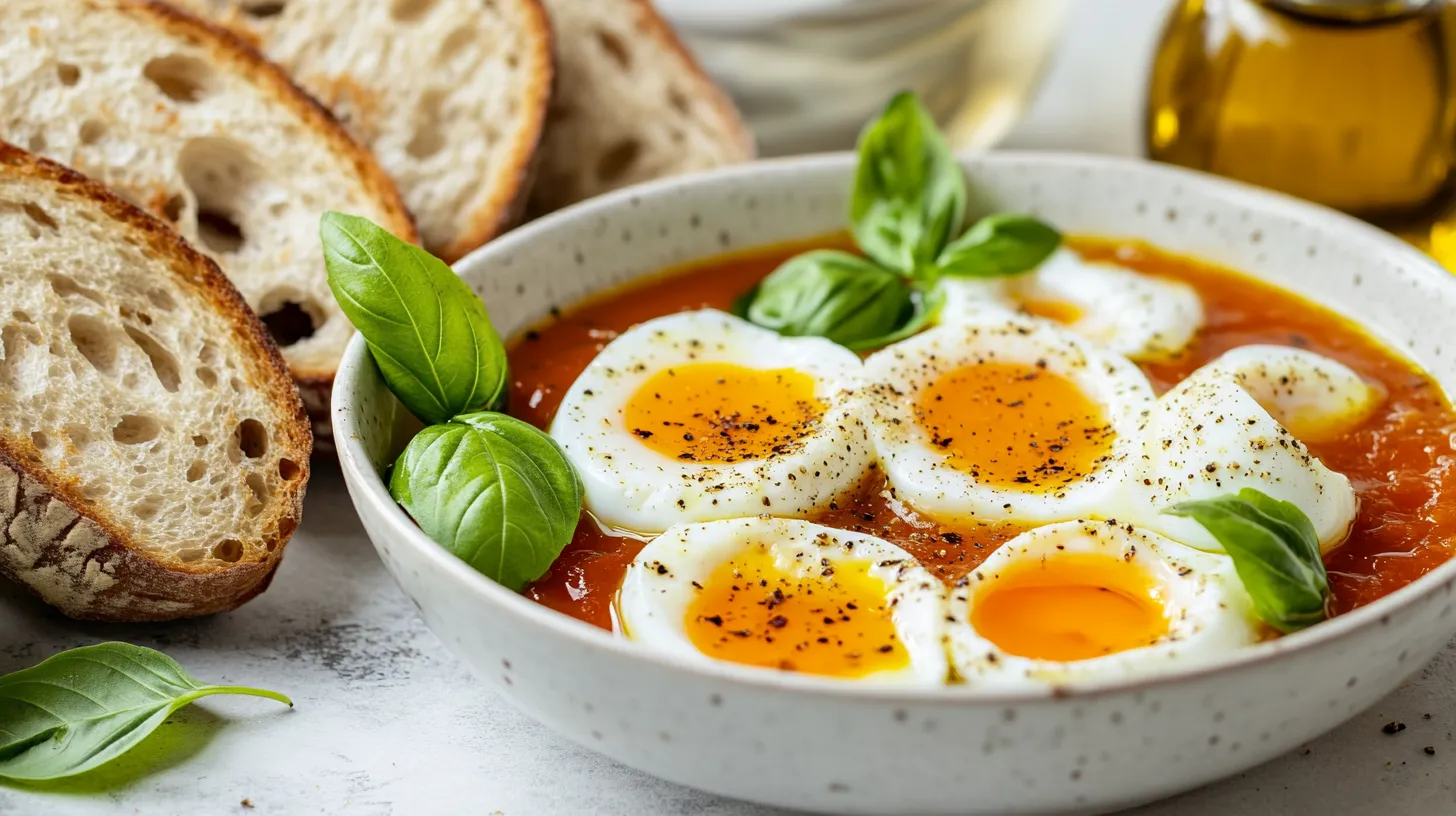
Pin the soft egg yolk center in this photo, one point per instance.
(1070, 607)
(834, 621)
(1055, 310)
(1015, 425)
(721, 413)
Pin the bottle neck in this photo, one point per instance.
(1353, 11)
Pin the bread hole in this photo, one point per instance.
(196, 470)
(190, 555)
(134, 429)
(95, 490)
(262, 11)
(458, 39)
(162, 299)
(40, 440)
(288, 470)
(169, 374)
(173, 208)
(78, 435)
(91, 336)
(219, 232)
(129, 380)
(252, 438)
(290, 316)
(261, 494)
(429, 138)
(199, 440)
(36, 143)
(229, 550)
(147, 508)
(237, 385)
(67, 286)
(407, 10)
(208, 354)
(272, 545)
(68, 74)
(207, 376)
(22, 316)
(615, 163)
(679, 102)
(91, 131)
(179, 77)
(39, 216)
(615, 48)
(221, 176)
(139, 468)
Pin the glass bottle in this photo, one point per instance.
(1350, 103)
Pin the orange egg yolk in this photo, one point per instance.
(1014, 425)
(1059, 311)
(721, 413)
(835, 621)
(1070, 607)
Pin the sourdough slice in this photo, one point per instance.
(631, 105)
(153, 450)
(190, 123)
(449, 94)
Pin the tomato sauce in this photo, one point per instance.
(1400, 460)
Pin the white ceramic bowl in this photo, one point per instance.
(810, 743)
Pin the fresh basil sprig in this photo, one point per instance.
(85, 707)
(999, 245)
(496, 492)
(909, 196)
(428, 332)
(1275, 551)
(906, 210)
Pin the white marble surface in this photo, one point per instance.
(387, 722)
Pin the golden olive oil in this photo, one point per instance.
(1349, 104)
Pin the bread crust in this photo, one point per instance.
(501, 213)
(71, 551)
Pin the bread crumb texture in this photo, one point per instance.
(449, 94)
(191, 125)
(149, 437)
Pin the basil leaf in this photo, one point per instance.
(429, 333)
(493, 490)
(1275, 552)
(909, 196)
(999, 245)
(85, 707)
(925, 304)
(831, 294)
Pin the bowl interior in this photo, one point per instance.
(1395, 292)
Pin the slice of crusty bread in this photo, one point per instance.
(153, 450)
(449, 94)
(631, 105)
(190, 123)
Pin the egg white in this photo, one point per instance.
(918, 470)
(631, 486)
(1209, 613)
(1142, 317)
(659, 586)
(1210, 436)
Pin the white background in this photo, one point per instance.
(387, 722)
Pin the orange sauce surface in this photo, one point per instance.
(1400, 460)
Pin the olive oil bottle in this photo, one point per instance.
(1350, 103)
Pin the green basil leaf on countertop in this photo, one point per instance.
(999, 245)
(909, 196)
(495, 491)
(428, 332)
(1275, 551)
(85, 707)
(831, 294)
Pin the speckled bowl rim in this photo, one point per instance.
(355, 460)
